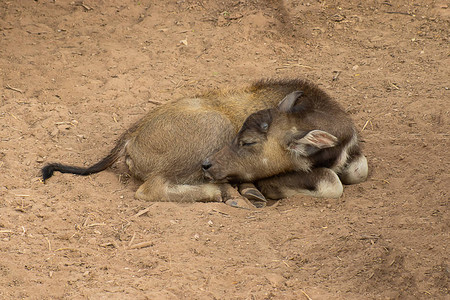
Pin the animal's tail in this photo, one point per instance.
(106, 162)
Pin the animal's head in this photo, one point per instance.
(270, 142)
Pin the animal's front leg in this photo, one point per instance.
(158, 189)
(233, 198)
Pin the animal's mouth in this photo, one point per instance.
(208, 177)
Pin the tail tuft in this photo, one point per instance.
(48, 171)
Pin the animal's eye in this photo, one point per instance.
(247, 143)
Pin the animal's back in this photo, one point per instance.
(172, 143)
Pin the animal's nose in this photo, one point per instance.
(206, 165)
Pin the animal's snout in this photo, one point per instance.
(206, 165)
(215, 167)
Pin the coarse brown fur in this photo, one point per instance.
(165, 149)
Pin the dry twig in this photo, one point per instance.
(13, 89)
(220, 212)
(306, 295)
(399, 13)
(85, 221)
(68, 249)
(96, 224)
(81, 3)
(369, 237)
(49, 245)
(132, 239)
(365, 125)
(141, 245)
(288, 65)
(141, 212)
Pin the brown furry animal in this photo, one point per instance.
(166, 148)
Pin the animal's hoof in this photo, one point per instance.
(240, 203)
(259, 204)
(255, 197)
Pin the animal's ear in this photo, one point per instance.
(288, 102)
(310, 143)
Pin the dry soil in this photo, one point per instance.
(75, 74)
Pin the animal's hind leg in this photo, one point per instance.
(159, 189)
(320, 182)
(355, 171)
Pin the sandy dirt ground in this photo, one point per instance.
(74, 75)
